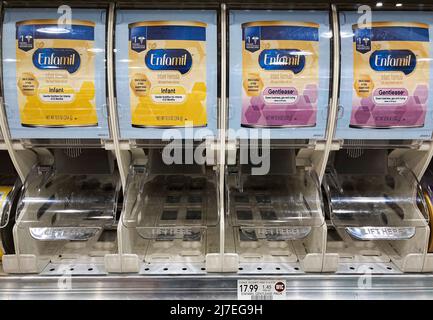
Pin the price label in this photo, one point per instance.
(261, 289)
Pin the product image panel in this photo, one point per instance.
(285, 72)
(168, 76)
(386, 78)
(270, 91)
(50, 74)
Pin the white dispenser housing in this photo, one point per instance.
(274, 221)
(68, 210)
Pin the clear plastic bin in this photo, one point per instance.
(277, 223)
(61, 214)
(376, 207)
(166, 217)
(378, 221)
(276, 207)
(10, 189)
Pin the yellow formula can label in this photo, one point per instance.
(280, 74)
(167, 73)
(56, 73)
(4, 192)
(391, 71)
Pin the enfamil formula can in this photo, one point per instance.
(391, 71)
(167, 73)
(280, 67)
(56, 73)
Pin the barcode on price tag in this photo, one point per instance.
(261, 289)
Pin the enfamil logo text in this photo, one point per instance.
(169, 59)
(56, 58)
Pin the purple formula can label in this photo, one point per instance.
(391, 75)
(280, 68)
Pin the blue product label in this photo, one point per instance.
(138, 38)
(252, 38)
(169, 59)
(57, 59)
(27, 33)
(25, 37)
(393, 60)
(362, 39)
(282, 59)
(395, 33)
(192, 33)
